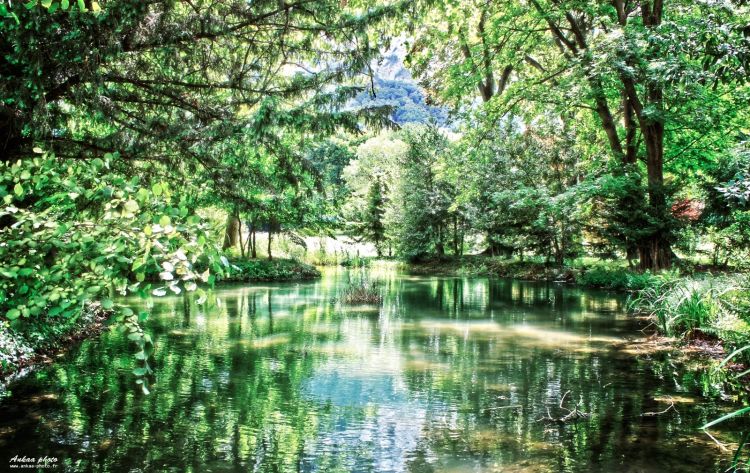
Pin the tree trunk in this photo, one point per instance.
(439, 247)
(232, 232)
(270, 235)
(239, 235)
(455, 235)
(251, 242)
(655, 250)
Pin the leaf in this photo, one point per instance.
(107, 304)
(140, 371)
(13, 314)
(159, 292)
(18, 189)
(732, 355)
(95, 6)
(165, 220)
(64, 4)
(135, 336)
(81, 5)
(131, 206)
(166, 276)
(727, 417)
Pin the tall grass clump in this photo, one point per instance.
(714, 305)
(361, 292)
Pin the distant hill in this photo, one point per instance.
(407, 99)
(394, 86)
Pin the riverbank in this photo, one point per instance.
(251, 270)
(595, 274)
(22, 347)
(702, 311)
(24, 344)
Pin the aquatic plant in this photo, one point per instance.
(361, 292)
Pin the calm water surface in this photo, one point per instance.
(449, 375)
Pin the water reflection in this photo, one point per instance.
(450, 374)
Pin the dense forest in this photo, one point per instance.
(159, 148)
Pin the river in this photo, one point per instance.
(447, 375)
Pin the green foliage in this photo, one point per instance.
(617, 279)
(264, 270)
(714, 305)
(423, 195)
(79, 232)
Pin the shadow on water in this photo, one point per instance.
(449, 375)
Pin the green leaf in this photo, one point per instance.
(107, 304)
(18, 189)
(64, 4)
(727, 417)
(165, 220)
(55, 311)
(732, 355)
(140, 371)
(131, 206)
(134, 336)
(13, 314)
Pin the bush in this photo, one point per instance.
(618, 279)
(273, 270)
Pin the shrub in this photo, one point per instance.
(618, 279)
(273, 270)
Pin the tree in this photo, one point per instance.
(371, 224)
(633, 65)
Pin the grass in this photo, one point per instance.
(718, 306)
(361, 292)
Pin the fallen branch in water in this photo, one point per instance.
(669, 408)
(571, 415)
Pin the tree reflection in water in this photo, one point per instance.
(450, 374)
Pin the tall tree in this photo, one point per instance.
(632, 64)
